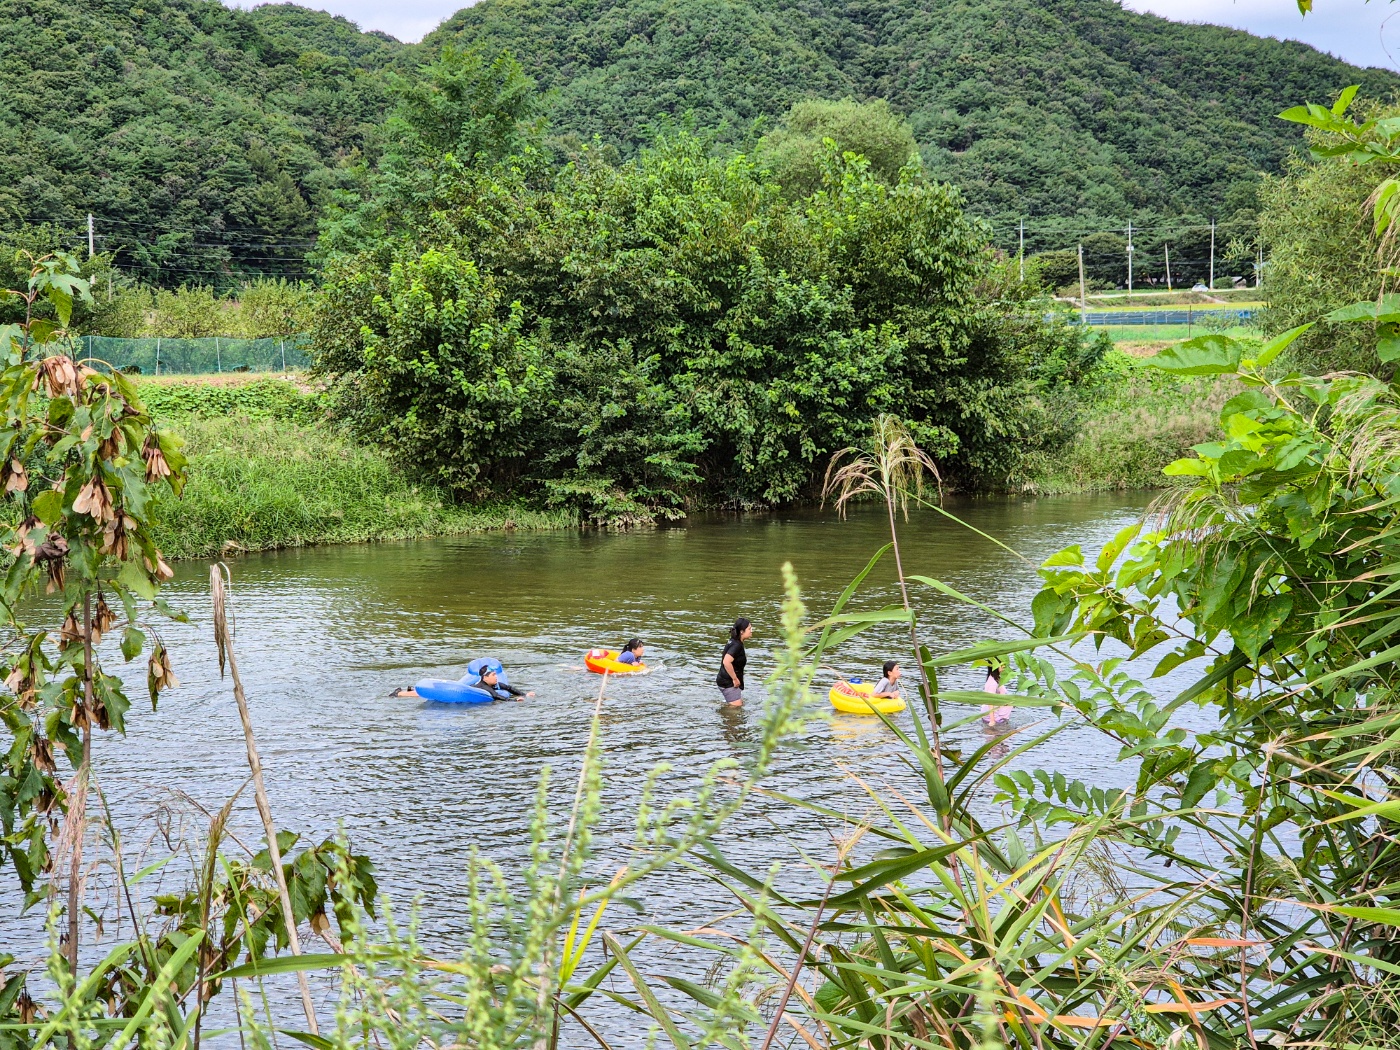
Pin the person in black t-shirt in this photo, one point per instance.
(731, 665)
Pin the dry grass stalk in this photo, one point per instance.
(223, 639)
(893, 470)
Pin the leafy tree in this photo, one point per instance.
(794, 150)
(458, 112)
(1322, 252)
(204, 139)
(273, 307)
(676, 330)
(191, 312)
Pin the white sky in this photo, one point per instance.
(1350, 29)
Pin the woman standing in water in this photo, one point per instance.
(731, 665)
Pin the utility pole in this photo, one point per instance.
(1130, 256)
(92, 244)
(1083, 300)
(1258, 267)
(1212, 255)
(1023, 251)
(1167, 249)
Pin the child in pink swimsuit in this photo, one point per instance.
(991, 714)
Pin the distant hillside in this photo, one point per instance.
(208, 140)
(204, 139)
(1034, 107)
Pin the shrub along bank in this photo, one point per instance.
(268, 469)
(267, 472)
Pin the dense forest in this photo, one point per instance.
(206, 141)
(209, 142)
(1068, 109)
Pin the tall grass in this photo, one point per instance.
(264, 483)
(1137, 421)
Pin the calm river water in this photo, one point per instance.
(325, 634)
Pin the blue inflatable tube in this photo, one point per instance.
(447, 692)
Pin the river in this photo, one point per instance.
(323, 635)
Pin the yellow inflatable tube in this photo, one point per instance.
(855, 699)
(600, 660)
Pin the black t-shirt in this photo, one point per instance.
(736, 650)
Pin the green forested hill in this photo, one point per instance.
(204, 139)
(207, 141)
(1034, 107)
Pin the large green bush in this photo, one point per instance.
(674, 330)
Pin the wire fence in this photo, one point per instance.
(1240, 317)
(165, 355)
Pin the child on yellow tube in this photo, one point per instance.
(888, 686)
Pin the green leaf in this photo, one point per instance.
(48, 506)
(132, 642)
(657, 1012)
(285, 964)
(1201, 780)
(1387, 309)
(1207, 355)
(1278, 344)
(135, 579)
(1184, 468)
(1071, 557)
(1344, 99)
(1380, 916)
(1388, 349)
(316, 1042)
(878, 874)
(1117, 546)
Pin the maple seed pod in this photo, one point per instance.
(43, 754)
(115, 534)
(60, 376)
(16, 477)
(159, 676)
(72, 632)
(102, 620)
(94, 500)
(160, 570)
(23, 543)
(156, 466)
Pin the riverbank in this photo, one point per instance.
(1140, 421)
(268, 471)
(265, 474)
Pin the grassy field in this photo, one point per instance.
(266, 471)
(1165, 333)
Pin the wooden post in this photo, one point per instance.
(92, 249)
(1167, 248)
(1083, 300)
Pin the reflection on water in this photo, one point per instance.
(324, 635)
